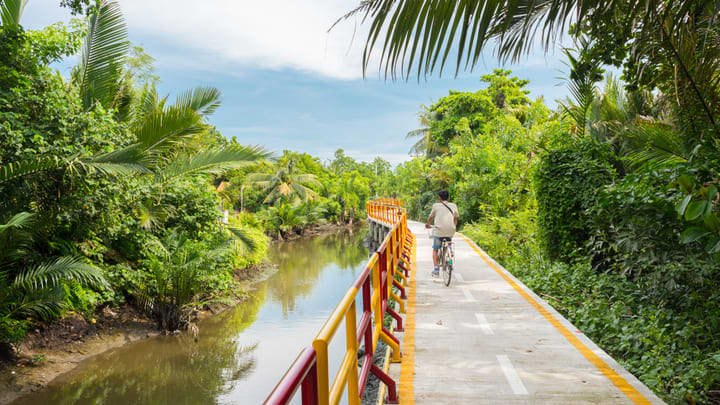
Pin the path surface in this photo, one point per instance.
(487, 339)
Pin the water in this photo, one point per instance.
(242, 353)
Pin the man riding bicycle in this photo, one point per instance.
(445, 216)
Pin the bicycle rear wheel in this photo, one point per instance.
(446, 269)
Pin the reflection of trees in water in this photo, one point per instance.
(172, 370)
(302, 262)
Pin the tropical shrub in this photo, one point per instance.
(182, 274)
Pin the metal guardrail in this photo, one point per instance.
(389, 266)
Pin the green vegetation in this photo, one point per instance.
(113, 194)
(593, 214)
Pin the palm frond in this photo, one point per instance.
(21, 220)
(212, 161)
(11, 12)
(42, 304)
(417, 132)
(11, 171)
(307, 179)
(203, 100)
(131, 158)
(256, 178)
(422, 34)
(52, 273)
(98, 75)
(656, 145)
(244, 239)
(162, 129)
(15, 239)
(151, 216)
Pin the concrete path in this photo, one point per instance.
(487, 339)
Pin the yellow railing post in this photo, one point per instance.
(351, 336)
(323, 384)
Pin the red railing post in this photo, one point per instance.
(310, 387)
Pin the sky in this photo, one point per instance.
(287, 82)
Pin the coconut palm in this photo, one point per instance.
(425, 145)
(285, 184)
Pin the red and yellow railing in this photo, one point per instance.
(389, 267)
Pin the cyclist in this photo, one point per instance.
(445, 216)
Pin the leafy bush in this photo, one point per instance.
(12, 331)
(634, 227)
(567, 182)
(503, 235)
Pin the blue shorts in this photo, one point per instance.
(437, 242)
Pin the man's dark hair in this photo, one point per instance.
(444, 195)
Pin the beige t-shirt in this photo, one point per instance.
(444, 219)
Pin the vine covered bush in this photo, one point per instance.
(568, 181)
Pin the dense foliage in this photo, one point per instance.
(113, 194)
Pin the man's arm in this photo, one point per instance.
(430, 218)
(456, 214)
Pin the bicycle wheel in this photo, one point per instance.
(447, 268)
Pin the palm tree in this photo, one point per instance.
(34, 290)
(425, 145)
(166, 136)
(178, 280)
(285, 184)
(581, 84)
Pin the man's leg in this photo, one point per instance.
(436, 247)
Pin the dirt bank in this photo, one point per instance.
(53, 349)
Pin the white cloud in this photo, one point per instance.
(230, 35)
(267, 34)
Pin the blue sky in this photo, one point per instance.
(286, 82)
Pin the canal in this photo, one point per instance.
(241, 353)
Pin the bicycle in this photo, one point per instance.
(446, 257)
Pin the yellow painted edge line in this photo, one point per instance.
(631, 392)
(406, 391)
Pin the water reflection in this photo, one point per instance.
(302, 263)
(241, 353)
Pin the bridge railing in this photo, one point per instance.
(375, 284)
